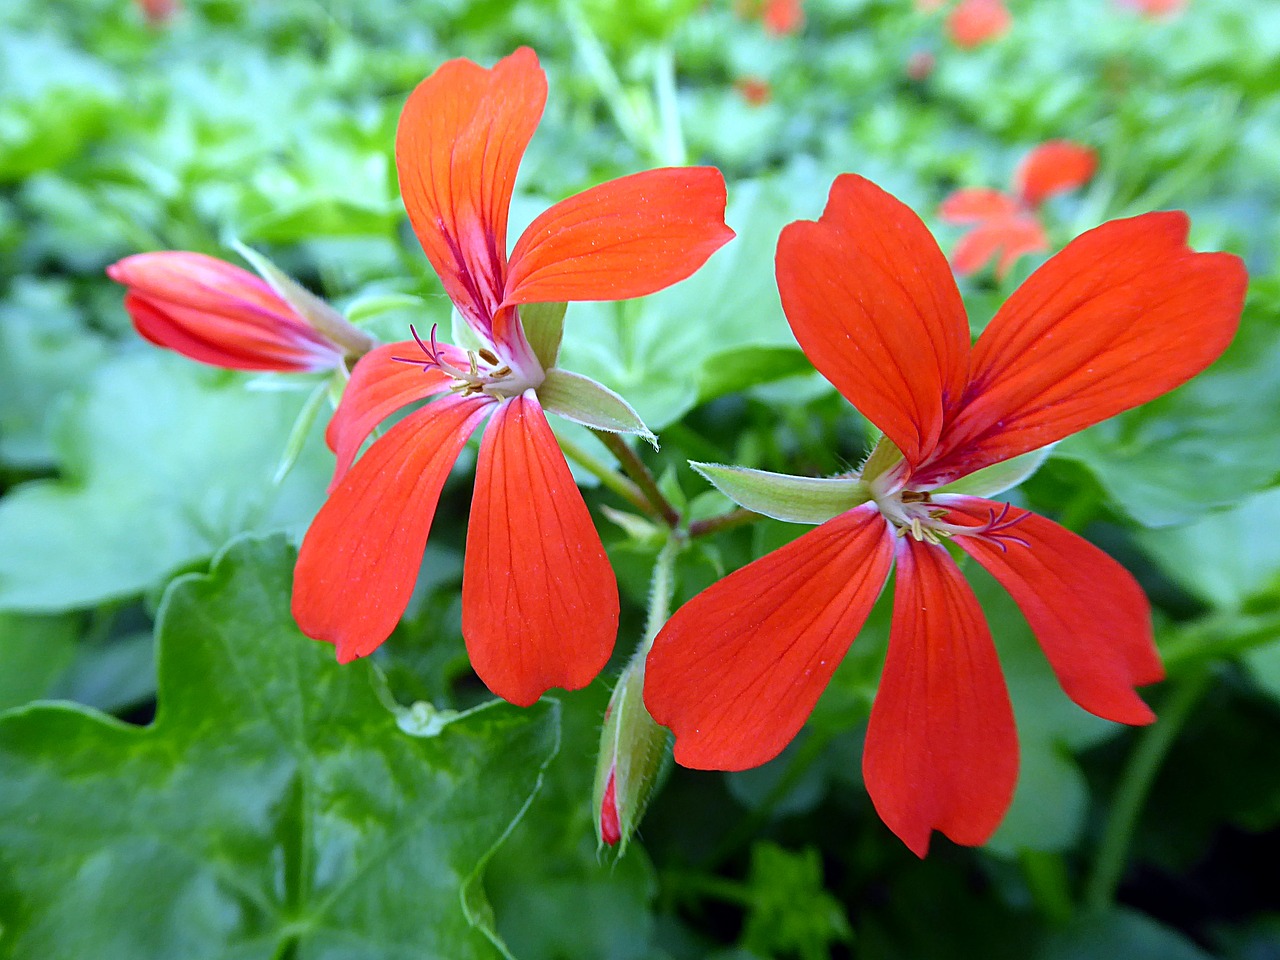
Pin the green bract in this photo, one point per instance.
(783, 497)
(584, 401)
(272, 809)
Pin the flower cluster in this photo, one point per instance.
(1123, 314)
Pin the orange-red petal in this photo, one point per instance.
(625, 238)
(458, 145)
(782, 17)
(539, 599)
(359, 561)
(1087, 611)
(1054, 167)
(874, 306)
(380, 385)
(1007, 238)
(736, 672)
(1124, 313)
(942, 749)
(975, 204)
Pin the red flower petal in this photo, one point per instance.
(942, 750)
(381, 385)
(622, 239)
(974, 22)
(975, 204)
(1124, 313)
(539, 600)
(1009, 237)
(873, 304)
(1087, 611)
(359, 561)
(1054, 167)
(736, 672)
(460, 140)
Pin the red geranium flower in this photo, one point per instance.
(975, 22)
(539, 600)
(1154, 8)
(1008, 226)
(219, 314)
(1123, 314)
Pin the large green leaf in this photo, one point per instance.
(273, 809)
(163, 462)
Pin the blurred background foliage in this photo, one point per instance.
(282, 807)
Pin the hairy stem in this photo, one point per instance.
(609, 477)
(726, 521)
(641, 475)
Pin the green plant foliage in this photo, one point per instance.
(163, 463)
(273, 807)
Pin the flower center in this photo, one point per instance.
(473, 372)
(917, 513)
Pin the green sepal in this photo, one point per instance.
(323, 317)
(998, 477)
(784, 497)
(543, 325)
(635, 750)
(591, 404)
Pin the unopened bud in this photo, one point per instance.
(634, 757)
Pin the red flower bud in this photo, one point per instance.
(219, 314)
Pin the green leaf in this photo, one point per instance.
(34, 652)
(163, 461)
(45, 351)
(272, 809)
(584, 401)
(741, 368)
(1120, 932)
(1226, 558)
(784, 497)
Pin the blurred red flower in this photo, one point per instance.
(1125, 313)
(539, 599)
(1006, 226)
(754, 90)
(1154, 8)
(975, 22)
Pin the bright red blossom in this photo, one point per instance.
(539, 600)
(219, 314)
(1123, 314)
(1006, 226)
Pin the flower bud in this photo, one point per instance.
(219, 314)
(634, 757)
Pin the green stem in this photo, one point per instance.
(1135, 783)
(726, 521)
(1046, 876)
(610, 478)
(671, 135)
(596, 60)
(662, 588)
(641, 475)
